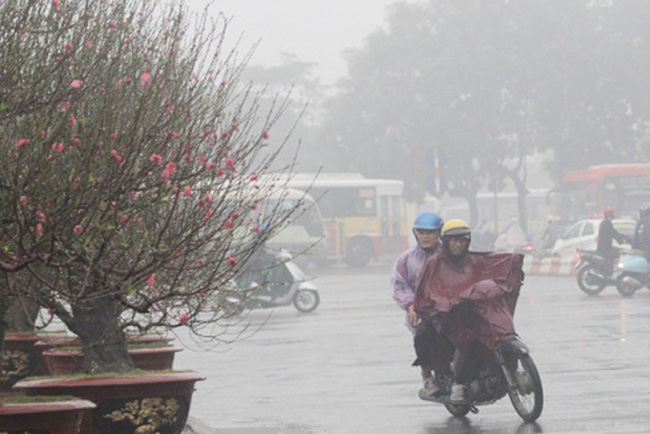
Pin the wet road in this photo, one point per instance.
(346, 367)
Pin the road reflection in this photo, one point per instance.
(465, 425)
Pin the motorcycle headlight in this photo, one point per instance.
(620, 266)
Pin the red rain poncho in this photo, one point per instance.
(490, 282)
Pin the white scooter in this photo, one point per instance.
(283, 285)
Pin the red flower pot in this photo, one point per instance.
(21, 358)
(70, 362)
(126, 403)
(53, 417)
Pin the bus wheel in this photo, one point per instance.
(359, 253)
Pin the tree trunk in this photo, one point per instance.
(21, 315)
(96, 322)
(4, 305)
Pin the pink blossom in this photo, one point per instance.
(256, 229)
(58, 147)
(184, 318)
(232, 260)
(220, 172)
(253, 178)
(151, 280)
(75, 84)
(39, 230)
(145, 78)
(210, 165)
(170, 169)
(73, 120)
(254, 206)
(41, 216)
(235, 214)
(68, 47)
(266, 135)
(23, 200)
(116, 155)
(22, 142)
(188, 191)
(230, 164)
(229, 224)
(114, 136)
(89, 44)
(78, 229)
(42, 134)
(56, 4)
(156, 159)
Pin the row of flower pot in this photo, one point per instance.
(155, 401)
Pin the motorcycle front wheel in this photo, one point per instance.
(306, 300)
(527, 396)
(588, 282)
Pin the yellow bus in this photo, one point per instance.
(364, 218)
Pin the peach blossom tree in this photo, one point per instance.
(132, 157)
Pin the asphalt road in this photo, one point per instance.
(346, 367)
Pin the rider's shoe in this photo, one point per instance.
(458, 395)
(430, 389)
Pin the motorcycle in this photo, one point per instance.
(594, 272)
(285, 284)
(632, 272)
(507, 370)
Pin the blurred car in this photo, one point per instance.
(583, 235)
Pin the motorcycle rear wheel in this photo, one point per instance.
(585, 283)
(528, 396)
(624, 287)
(306, 300)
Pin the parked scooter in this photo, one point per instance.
(633, 272)
(594, 272)
(284, 284)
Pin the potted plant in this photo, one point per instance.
(131, 161)
(54, 415)
(153, 356)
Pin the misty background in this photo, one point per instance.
(509, 94)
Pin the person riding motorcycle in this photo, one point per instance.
(607, 234)
(471, 297)
(404, 279)
(641, 239)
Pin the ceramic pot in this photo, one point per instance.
(126, 404)
(52, 417)
(71, 362)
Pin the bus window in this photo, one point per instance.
(364, 218)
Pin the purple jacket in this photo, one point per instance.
(404, 278)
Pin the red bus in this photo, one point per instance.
(585, 193)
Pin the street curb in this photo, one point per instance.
(549, 266)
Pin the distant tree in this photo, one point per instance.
(295, 80)
(488, 84)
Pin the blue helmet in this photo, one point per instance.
(428, 221)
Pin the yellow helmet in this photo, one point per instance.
(455, 227)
